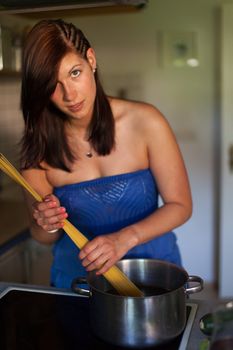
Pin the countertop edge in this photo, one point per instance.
(13, 241)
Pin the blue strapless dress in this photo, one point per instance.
(103, 206)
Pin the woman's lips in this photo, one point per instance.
(76, 108)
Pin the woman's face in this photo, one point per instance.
(76, 88)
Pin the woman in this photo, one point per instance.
(98, 160)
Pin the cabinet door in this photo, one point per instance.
(39, 262)
(12, 264)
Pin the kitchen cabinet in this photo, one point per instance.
(10, 50)
(39, 260)
(13, 264)
(23, 260)
(14, 218)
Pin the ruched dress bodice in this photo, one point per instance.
(105, 205)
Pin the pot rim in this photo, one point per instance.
(157, 261)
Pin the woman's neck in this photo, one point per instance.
(78, 129)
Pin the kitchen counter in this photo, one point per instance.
(196, 336)
(14, 217)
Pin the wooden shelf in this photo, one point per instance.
(65, 11)
(9, 74)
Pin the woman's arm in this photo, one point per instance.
(167, 166)
(46, 215)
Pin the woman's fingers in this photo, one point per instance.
(89, 248)
(99, 254)
(50, 219)
(102, 263)
(48, 213)
(106, 266)
(51, 198)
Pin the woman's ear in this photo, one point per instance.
(91, 58)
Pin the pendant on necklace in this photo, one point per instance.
(89, 154)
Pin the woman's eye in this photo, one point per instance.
(75, 73)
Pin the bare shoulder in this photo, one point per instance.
(142, 114)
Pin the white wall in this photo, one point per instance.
(129, 55)
(226, 238)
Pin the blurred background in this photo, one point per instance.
(176, 55)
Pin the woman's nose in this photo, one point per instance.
(69, 93)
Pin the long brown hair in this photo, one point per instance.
(44, 138)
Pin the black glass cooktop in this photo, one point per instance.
(36, 320)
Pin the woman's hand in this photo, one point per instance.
(103, 252)
(48, 214)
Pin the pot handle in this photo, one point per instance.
(78, 290)
(195, 289)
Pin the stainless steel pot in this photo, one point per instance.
(140, 321)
